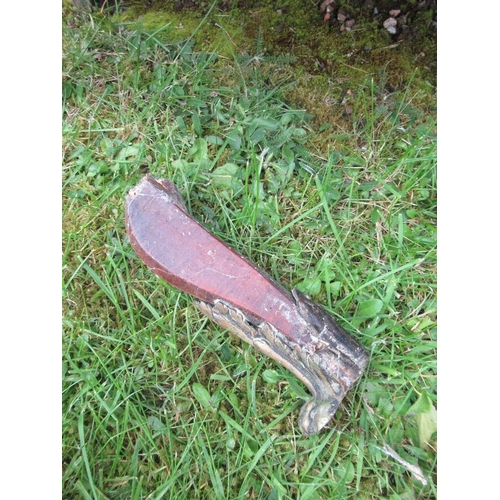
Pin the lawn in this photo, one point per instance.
(159, 402)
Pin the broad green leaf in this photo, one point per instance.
(240, 370)
(324, 268)
(234, 400)
(258, 135)
(396, 433)
(422, 405)
(266, 123)
(234, 140)
(311, 286)
(180, 164)
(202, 395)
(197, 124)
(374, 391)
(155, 423)
(127, 153)
(196, 103)
(226, 176)
(271, 376)
(369, 308)
(213, 139)
(67, 90)
(177, 90)
(426, 418)
(427, 426)
(385, 407)
(391, 286)
(335, 287)
(299, 132)
(93, 170)
(181, 124)
(199, 150)
(418, 324)
(288, 154)
(278, 176)
(345, 472)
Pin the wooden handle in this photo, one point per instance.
(288, 327)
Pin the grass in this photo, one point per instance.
(158, 402)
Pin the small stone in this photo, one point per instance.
(394, 12)
(341, 17)
(325, 4)
(390, 21)
(390, 25)
(349, 24)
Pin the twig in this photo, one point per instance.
(415, 470)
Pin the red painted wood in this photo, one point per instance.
(183, 253)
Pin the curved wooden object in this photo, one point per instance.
(288, 327)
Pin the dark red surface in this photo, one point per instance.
(183, 253)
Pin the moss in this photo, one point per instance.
(213, 35)
(327, 63)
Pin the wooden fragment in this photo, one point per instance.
(288, 327)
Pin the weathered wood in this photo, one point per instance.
(288, 327)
